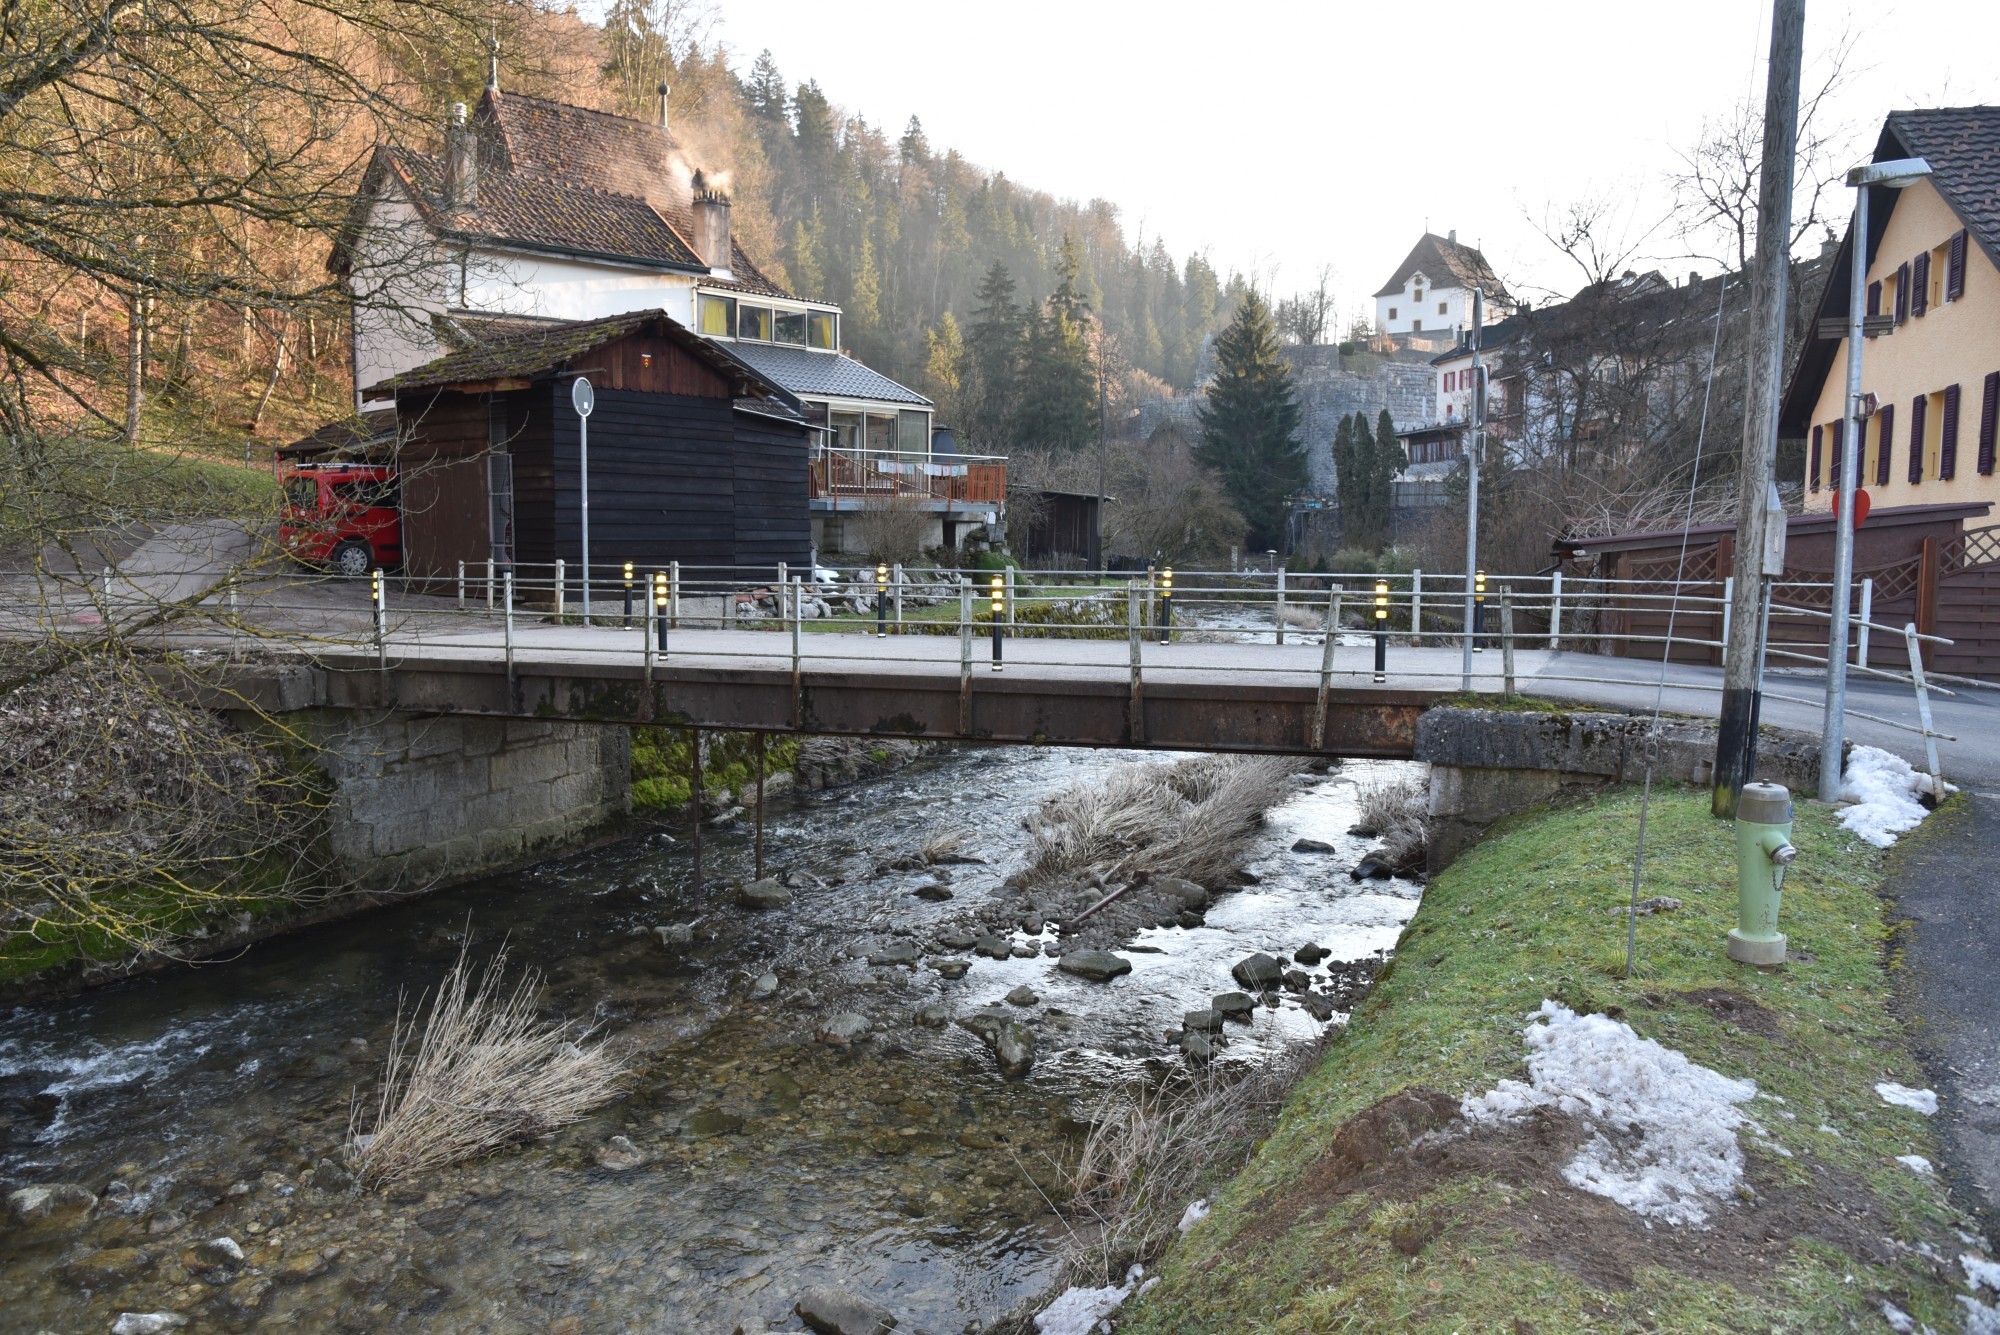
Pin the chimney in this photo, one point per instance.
(1452, 236)
(711, 225)
(663, 90)
(1694, 279)
(461, 161)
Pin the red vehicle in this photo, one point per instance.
(345, 516)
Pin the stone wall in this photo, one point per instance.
(1489, 763)
(428, 800)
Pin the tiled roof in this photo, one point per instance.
(1446, 263)
(1962, 145)
(828, 374)
(512, 352)
(362, 434)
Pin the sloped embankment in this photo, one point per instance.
(1806, 1203)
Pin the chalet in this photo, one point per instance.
(695, 455)
(1931, 352)
(1427, 302)
(537, 213)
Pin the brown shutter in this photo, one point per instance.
(1812, 468)
(1837, 430)
(1920, 283)
(1989, 422)
(1917, 406)
(1885, 442)
(1902, 293)
(1875, 297)
(1954, 268)
(1948, 436)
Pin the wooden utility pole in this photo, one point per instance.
(1743, 658)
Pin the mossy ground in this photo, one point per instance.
(662, 774)
(1531, 914)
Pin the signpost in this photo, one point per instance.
(583, 398)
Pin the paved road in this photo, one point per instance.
(1945, 880)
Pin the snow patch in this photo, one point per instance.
(1916, 1163)
(1078, 1311)
(1979, 1318)
(1980, 1271)
(1899, 1320)
(1884, 789)
(1902, 1096)
(1196, 1212)
(1663, 1129)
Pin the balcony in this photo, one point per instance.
(856, 479)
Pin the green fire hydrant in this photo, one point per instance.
(1763, 851)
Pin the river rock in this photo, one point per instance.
(1098, 966)
(764, 986)
(220, 1251)
(1188, 893)
(1259, 972)
(933, 892)
(832, 1311)
(1364, 831)
(1318, 1005)
(1371, 868)
(764, 894)
(843, 1030)
(1234, 1005)
(56, 1203)
(803, 880)
(986, 1023)
(933, 1015)
(1022, 996)
(953, 968)
(1015, 1047)
(993, 947)
(167, 1221)
(619, 1155)
(1205, 1021)
(954, 939)
(1197, 1047)
(1295, 980)
(1311, 954)
(902, 952)
(713, 1122)
(102, 1270)
(330, 1176)
(1027, 950)
(147, 1323)
(1312, 846)
(674, 935)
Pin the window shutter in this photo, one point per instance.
(1885, 442)
(1920, 280)
(1948, 436)
(1812, 466)
(1902, 293)
(1875, 297)
(1917, 424)
(1837, 430)
(1989, 422)
(1954, 268)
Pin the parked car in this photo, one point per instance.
(344, 516)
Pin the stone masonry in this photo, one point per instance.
(422, 801)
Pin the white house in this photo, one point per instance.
(1427, 303)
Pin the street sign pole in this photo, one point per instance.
(583, 398)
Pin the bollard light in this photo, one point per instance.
(659, 607)
(999, 589)
(628, 595)
(1166, 604)
(881, 602)
(375, 586)
(1478, 610)
(1381, 630)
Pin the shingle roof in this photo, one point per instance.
(807, 371)
(507, 353)
(1446, 263)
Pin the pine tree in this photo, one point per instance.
(1058, 401)
(994, 360)
(944, 369)
(808, 267)
(1388, 459)
(1250, 422)
(1350, 482)
(765, 90)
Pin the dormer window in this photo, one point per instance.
(717, 317)
(754, 323)
(822, 330)
(725, 317)
(789, 327)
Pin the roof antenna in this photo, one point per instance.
(492, 62)
(663, 90)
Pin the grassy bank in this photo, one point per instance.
(1341, 1224)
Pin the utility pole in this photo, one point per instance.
(1743, 659)
(1472, 488)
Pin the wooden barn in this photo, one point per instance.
(695, 456)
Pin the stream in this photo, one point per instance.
(197, 1102)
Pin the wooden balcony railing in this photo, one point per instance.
(886, 475)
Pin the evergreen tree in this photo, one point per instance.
(1058, 399)
(994, 360)
(765, 90)
(1388, 460)
(944, 369)
(808, 267)
(1250, 422)
(1350, 482)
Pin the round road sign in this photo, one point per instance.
(582, 396)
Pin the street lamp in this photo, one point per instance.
(1893, 176)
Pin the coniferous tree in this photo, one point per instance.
(1389, 459)
(1250, 423)
(944, 370)
(994, 361)
(1058, 400)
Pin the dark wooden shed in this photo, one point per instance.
(695, 456)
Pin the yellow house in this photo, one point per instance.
(1931, 348)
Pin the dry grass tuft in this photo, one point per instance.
(1399, 812)
(1189, 818)
(487, 1071)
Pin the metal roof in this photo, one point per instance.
(818, 374)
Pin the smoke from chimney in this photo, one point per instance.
(711, 223)
(461, 161)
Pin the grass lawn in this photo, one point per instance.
(1481, 1232)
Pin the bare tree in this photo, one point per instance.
(1307, 317)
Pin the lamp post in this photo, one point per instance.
(1894, 176)
(1472, 460)
(583, 399)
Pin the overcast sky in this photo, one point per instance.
(1282, 136)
